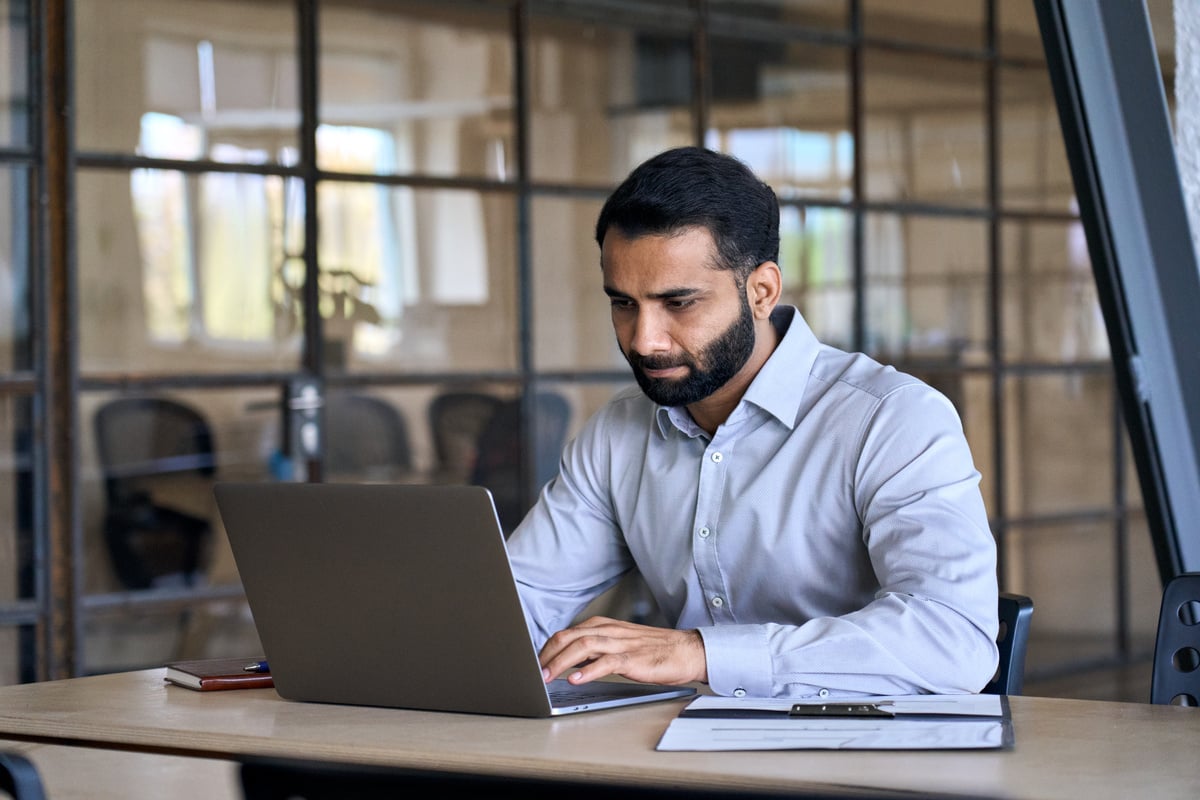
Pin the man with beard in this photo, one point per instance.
(807, 520)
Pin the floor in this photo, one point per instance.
(1128, 683)
(1089, 668)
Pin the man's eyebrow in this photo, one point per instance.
(665, 294)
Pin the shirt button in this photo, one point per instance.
(823, 693)
(704, 533)
(717, 602)
(739, 692)
(716, 457)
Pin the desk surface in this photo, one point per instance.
(1064, 748)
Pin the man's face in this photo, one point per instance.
(685, 327)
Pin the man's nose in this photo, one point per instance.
(650, 333)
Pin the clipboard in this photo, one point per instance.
(911, 722)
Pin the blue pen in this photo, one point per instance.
(257, 666)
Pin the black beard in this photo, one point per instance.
(722, 358)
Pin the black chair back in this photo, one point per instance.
(19, 777)
(144, 442)
(1016, 611)
(366, 438)
(1176, 671)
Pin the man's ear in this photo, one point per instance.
(763, 288)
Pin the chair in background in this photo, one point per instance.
(366, 438)
(1176, 672)
(154, 453)
(456, 420)
(498, 452)
(1015, 613)
(19, 777)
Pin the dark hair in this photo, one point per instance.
(692, 186)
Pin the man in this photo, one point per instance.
(808, 520)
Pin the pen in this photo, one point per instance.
(257, 666)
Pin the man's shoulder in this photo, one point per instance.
(859, 373)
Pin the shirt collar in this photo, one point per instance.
(778, 388)
(774, 388)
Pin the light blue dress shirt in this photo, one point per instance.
(830, 539)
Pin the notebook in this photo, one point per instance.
(398, 596)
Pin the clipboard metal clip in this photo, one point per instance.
(841, 710)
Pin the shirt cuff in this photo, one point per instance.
(738, 659)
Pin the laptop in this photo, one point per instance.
(398, 596)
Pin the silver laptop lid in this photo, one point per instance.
(386, 595)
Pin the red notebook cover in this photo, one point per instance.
(211, 674)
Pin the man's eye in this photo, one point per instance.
(680, 305)
(618, 302)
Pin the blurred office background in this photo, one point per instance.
(352, 240)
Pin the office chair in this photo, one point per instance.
(365, 438)
(143, 442)
(1176, 671)
(499, 452)
(19, 777)
(1015, 613)
(456, 420)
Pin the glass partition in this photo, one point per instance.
(149, 461)
(1051, 309)
(927, 287)
(783, 107)
(924, 128)
(16, 340)
(416, 87)
(182, 273)
(816, 257)
(606, 92)
(939, 23)
(418, 279)
(15, 98)
(200, 79)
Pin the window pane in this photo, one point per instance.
(816, 257)
(604, 97)
(184, 273)
(1051, 309)
(211, 79)
(15, 334)
(1060, 443)
(972, 397)
(784, 109)
(116, 640)
(1067, 568)
(432, 82)
(1034, 174)
(1017, 30)
(16, 499)
(924, 129)
(149, 462)
(572, 327)
(829, 14)
(946, 23)
(14, 73)
(418, 279)
(927, 288)
(18, 651)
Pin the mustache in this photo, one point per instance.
(659, 361)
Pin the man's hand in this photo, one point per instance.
(601, 646)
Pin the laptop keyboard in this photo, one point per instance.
(565, 694)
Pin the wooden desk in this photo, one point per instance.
(91, 773)
(1064, 748)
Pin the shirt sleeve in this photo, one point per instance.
(932, 624)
